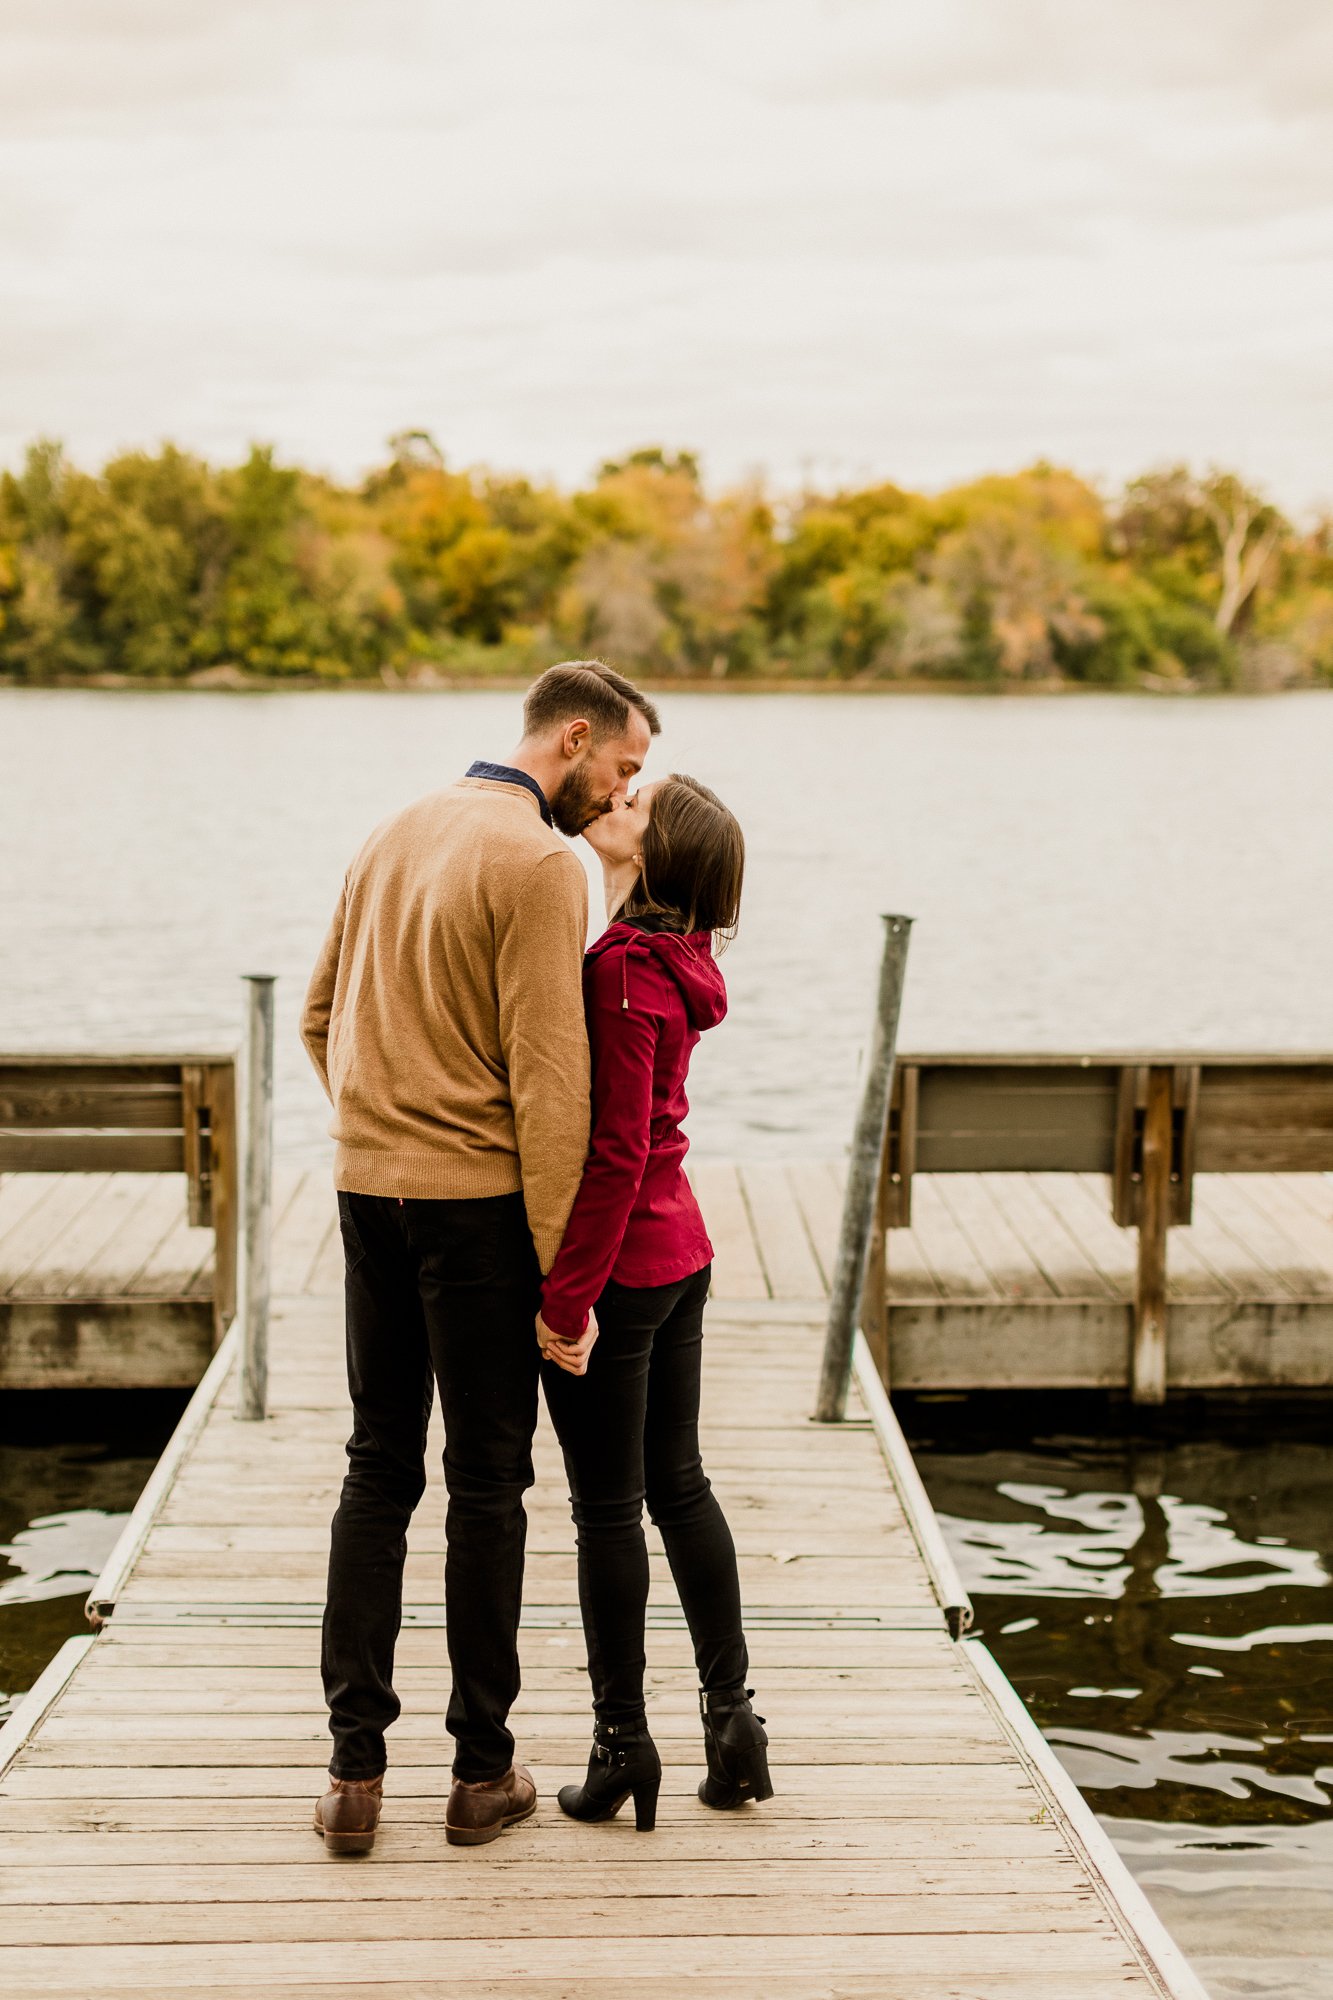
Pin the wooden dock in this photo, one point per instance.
(1024, 1281)
(118, 1217)
(154, 1816)
(1017, 1280)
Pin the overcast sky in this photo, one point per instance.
(914, 239)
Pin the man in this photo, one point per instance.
(445, 1019)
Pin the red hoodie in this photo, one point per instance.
(648, 996)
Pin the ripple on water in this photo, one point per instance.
(65, 1494)
(1166, 1611)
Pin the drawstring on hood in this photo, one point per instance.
(688, 961)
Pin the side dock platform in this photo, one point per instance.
(156, 1787)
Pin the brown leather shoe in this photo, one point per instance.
(348, 1814)
(478, 1813)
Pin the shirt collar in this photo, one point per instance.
(505, 774)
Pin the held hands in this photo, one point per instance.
(571, 1355)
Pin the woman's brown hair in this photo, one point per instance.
(693, 862)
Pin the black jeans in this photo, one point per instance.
(437, 1292)
(629, 1430)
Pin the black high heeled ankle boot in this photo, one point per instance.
(736, 1744)
(624, 1759)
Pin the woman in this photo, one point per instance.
(636, 1251)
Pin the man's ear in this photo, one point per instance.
(575, 738)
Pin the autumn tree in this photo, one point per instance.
(1210, 540)
(44, 629)
(149, 547)
(161, 565)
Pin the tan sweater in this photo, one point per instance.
(445, 1015)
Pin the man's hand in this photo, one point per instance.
(571, 1355)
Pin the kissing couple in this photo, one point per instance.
(513, 1203)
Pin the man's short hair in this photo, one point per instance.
(585, 689)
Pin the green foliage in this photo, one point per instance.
(161, 567)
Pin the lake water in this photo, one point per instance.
(1085, 872)
(1164, 1605)
(71, 1468)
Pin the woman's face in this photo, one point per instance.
(618, 835)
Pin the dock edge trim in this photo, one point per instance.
(50, 1683)
(1129, 1907)
(102, 1597)
(945, 1580)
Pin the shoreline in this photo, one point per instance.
(751, 684)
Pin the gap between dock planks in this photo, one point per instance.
(154, 1830)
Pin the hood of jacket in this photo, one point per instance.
(689, 961)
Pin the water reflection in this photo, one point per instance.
(58, 1555)
(1205, 1557)
(65, 1493)
(1165, 1608)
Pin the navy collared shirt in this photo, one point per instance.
(505, 774)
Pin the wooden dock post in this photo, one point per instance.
(252, 1399)
(863, 1175)
(220, 1082)
(1148, 1350)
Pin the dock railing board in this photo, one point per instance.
(1151, 1121)
(24, 1717)
(954, 1601)
(110, 1114)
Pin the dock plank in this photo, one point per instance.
(1280, 1198)
(1272, 1231)
(779, 1229)
(1226, 1251)
(818, 1194)
(549, 1910)
(111, 1267)
(1008, 1263)
(948, 1252)
(1314, 1192)
(328, 1264)
(118, 1235)
(291, 1881)
(179, 1265)
(20, 1196)
(267, 1964)
(737, 1270)
(300, 1228)
(1082, 1203)
(36, 1237)
(988, 1984)
(1053, 1247)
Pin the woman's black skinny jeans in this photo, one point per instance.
(629, 1430)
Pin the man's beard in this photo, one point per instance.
(573, 804)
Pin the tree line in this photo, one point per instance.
(162, 567)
